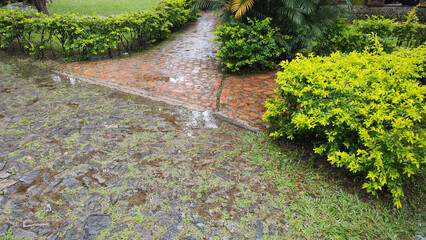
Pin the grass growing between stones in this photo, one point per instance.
(100, 7)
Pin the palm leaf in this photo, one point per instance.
(240, 7)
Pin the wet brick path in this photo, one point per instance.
(243, 98)
(183, 71)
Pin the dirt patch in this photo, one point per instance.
(8, 90)
(139, 198)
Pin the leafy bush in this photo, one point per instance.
(340, 36)
(366, 112)
(302, 20)
(247, 47)
(81, 37)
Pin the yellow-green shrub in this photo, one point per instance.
(366, 112)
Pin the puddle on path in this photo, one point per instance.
(154, 78)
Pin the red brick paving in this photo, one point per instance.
(184, 69)
(243, 97)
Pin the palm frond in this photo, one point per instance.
(306, 7)
(241, 7)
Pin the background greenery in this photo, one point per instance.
(100, 7)
(392, 34)
(301, 20)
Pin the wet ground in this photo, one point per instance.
(79, 162)
(184, 71)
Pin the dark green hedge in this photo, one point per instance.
(344, 37)
(82, 37)
(249, 47)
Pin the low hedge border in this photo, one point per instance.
(82, 37)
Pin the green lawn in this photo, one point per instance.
(100, 7)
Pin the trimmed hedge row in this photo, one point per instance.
(365, 111)
(343, 37)
(82, 37)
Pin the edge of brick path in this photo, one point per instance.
(156, 97)
(236, 121)
(131, 90)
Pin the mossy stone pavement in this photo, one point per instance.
(184, 71)
(79, 161)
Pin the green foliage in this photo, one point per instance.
(366, 112)
(247, 47)
(303, 20)
(82, 37)
(340, 36)
(8, 235)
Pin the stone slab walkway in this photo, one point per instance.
(184, 71)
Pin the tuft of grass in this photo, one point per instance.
(8, 236)
(100, 7)
(316, 209)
